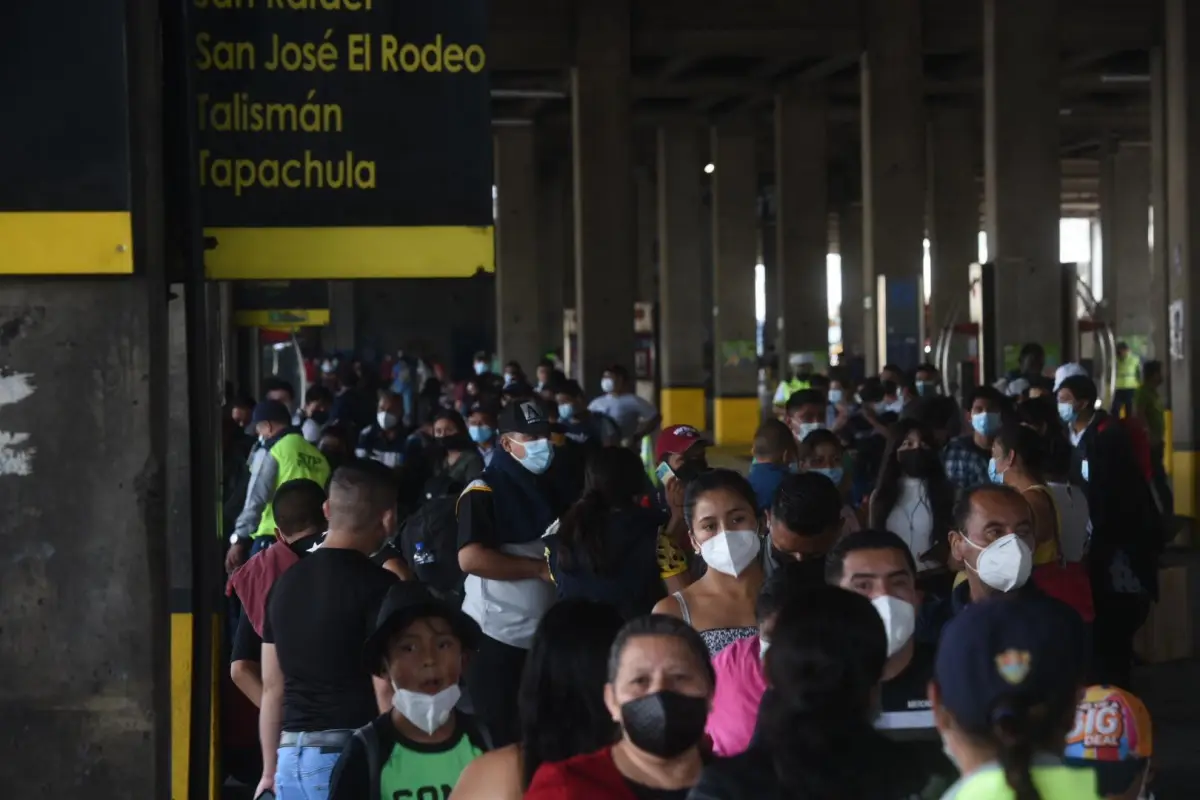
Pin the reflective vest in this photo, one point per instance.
(788, 388)
(1052, 782)
(295, 458)
(1127, 372)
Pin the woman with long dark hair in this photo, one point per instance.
(912, 497)
(721, 511)
(607, 547)
(561, 700)
(455, 456)
(816, 735)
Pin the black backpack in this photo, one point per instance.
(429, 542)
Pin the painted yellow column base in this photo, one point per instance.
(735, 419)
(1183, 480)
(684, 406)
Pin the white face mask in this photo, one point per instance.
(427, 711)
(805, 428)
(1004, 564)
(899, 621)
(763, 647)
(386, 420)
(607, 385)
(730, 552)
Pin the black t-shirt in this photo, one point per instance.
(319, 613)
(909, 690)
(247, 644)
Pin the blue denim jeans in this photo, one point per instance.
(303, 773)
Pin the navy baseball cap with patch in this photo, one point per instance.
(271, 411)
(1021, 647)
(524, 417)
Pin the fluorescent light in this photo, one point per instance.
(708, 168)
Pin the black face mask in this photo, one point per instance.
(457, 441)
(319, 417)
(916, 463)
(665, 724)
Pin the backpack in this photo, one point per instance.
(429, 543)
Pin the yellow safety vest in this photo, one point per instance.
(297, 459)
(1053, 783)
(1127, 372)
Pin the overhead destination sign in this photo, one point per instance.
(64, 139)
(343, 138)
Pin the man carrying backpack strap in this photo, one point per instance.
(429, 540)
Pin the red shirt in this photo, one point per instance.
(591, 776)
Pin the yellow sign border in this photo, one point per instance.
(66, 243)
(302, 318)
(451, 251)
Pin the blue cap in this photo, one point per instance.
(271, 411)
(1025, 648)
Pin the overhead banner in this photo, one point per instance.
(64, 139)
(343, 138)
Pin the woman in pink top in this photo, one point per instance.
(741, 682)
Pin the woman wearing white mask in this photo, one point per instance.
(420, 646)
(723, 525)
(816, 736)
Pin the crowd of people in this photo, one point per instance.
(493, 597)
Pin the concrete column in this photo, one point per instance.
(1159, 260)
(1131, 299)
(605, 217)
(735, 252)
(802, 223)
(1183, 254)
(1106, 222)
(954, 202)
(647, 234)
(555, 247)
(681, 311)
(893, 140)
(340, 335)
(518, 290)
(1022, 178)
(850, 249)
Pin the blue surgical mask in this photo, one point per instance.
(834, 474)
(607, 385)
(994, 474)
(538, 455)
(480, 434)
(1067, 413)
(566, 411)
(835, 396)
(926, 388)
(509, 378)
(986, 423)
(480, 367)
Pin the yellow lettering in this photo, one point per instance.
(453, 58)
(476, 58)
(410, 57)
(302, 56)
(358, 52)
(223, 56)
(390, 47)
(240, 113)
(431, 55)
(242, 175)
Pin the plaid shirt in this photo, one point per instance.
(966, 465)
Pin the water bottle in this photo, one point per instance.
(423, 557)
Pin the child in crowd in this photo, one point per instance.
(422, 745)
(822, 451)
(774, 456)
(1112, 735)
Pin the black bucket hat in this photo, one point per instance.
(405, 602)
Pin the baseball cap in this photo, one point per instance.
(524, 417)
(1112, 735)
(1021, 648)
(405, 602)
(1069, 370)
(271, 411)
(677, 439)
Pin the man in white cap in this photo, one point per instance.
(800, 366)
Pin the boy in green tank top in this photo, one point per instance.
(418, 749)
